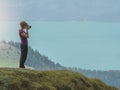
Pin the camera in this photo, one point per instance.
(29, 27)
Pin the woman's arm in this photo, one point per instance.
(25, 34)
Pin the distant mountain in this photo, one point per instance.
(10, 53)
(24, 79)
(62, 10)
(111, 77)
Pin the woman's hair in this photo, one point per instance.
(23, 24)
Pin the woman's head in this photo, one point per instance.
(23, 24)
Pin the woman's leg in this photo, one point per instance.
(24, 50)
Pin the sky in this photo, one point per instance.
(75, 33)
(82, 44)
(60, 10)
(88, 45)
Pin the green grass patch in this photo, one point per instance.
(25, 79)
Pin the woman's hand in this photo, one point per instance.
(25, 34)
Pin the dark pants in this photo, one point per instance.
(24, 51)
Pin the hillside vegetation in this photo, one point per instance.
(10, 53)
(24, 79)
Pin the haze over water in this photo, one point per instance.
(88, 45)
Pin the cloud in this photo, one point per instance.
(56, 10)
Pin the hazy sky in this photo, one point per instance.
(60, 10)
(78, 33)
(88, 45)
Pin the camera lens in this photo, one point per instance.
(29, 26)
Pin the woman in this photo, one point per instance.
(23, 33)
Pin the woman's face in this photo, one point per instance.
(24, 25)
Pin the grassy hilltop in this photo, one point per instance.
(24, 79)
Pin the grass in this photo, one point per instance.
(25, 79)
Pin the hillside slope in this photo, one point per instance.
(9, 55)
(24, 79)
